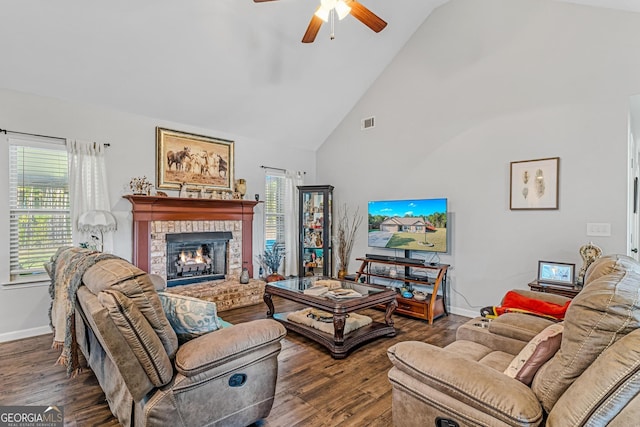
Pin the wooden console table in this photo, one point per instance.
(433, 307)
(565, 291)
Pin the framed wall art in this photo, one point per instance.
(556, 273)
(534, 184)
(194, 160)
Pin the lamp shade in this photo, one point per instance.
(98, 220)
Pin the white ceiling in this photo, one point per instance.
(630, 5)
(234, 66)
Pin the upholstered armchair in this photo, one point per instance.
(222, 378)
(592, 379)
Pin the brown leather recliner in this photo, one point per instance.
(222, 378)
(593, 379)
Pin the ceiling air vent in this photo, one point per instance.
(368, 123)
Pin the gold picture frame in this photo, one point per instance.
(195, 160)
(534, 184)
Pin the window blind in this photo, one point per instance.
(274, 210)
(39, 206)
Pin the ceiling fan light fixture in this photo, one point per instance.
(342, 9)
(327, 6)
(328, 10)
(323, 13)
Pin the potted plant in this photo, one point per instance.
(270, 260)
(345, 237)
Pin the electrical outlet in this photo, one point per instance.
(602, 229)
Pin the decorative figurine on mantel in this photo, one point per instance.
(183, 190)
(140, 186)
(240, 189)
(589, 253)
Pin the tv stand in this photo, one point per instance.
(405, 259)
(433, 307)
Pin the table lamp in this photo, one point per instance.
(97, 221)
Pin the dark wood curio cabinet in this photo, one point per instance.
(316, 203)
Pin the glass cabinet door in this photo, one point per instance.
(315, 258)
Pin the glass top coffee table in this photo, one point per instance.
(338, 343)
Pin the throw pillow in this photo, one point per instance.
(189, 317)
(224, 323)
(159, 284)
(535, 354)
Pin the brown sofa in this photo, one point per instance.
(593, 379)
(222, 378)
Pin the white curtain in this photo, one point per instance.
(292, 180)
(87, 186)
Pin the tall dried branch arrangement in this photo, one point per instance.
(346, 234)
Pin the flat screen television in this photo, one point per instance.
(410, 225)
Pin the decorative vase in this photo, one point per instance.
(244, 276)
(274, 277)
(241, 187)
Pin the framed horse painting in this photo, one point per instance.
(193, 160)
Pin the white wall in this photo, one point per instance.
(24, 308)
(479, 85)
(482, 84)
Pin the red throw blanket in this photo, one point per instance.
(513, 302)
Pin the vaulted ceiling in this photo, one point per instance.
(234, 66)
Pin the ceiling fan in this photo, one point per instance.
(329, 8)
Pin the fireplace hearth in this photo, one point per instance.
(196, 257)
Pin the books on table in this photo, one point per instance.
(343, 293)
(316, 290)
(333, 293)
(329, 283)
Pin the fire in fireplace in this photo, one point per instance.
(189, 263)
(196, 257)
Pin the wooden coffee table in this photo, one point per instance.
(338, 344)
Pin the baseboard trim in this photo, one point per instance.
(24, 333)
(464, 312)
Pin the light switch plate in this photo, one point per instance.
(601, 229)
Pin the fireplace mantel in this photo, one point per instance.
(151, 208)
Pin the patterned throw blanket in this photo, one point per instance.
(68, 265)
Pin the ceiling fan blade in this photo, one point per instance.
(260, 1)
(367, 17)
(312, 30)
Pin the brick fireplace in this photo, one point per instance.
(156, 217)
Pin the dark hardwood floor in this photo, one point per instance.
(313, 389)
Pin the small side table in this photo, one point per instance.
(565, 291)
